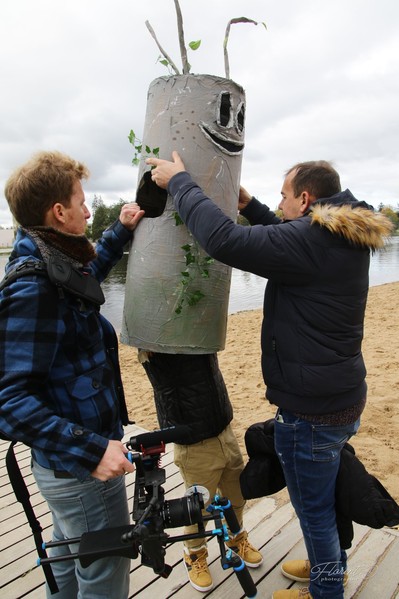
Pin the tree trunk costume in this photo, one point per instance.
(176, 299)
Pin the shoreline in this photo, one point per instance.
(376, 442)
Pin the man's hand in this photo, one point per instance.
(113, 463)
(164, 169)
(130, 215)
(243, 199)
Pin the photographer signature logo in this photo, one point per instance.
(335, 571)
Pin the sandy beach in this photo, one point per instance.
(376, 443)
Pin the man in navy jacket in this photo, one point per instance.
(316, 261)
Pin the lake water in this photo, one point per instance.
(246, 291)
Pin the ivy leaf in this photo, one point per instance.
(190, 259)
(195, 298)
(186, 247)
(131, 137)
(178, 220)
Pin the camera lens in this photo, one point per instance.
(182, 512)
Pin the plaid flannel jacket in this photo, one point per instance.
(60, 386)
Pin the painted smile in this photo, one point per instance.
(230, 146)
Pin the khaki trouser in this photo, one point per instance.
(216, 464)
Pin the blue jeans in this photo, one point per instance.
(77, 508)
(310, 457)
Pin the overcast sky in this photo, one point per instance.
(321, 82)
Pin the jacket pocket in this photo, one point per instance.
(93, 399)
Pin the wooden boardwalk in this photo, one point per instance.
(373, 562)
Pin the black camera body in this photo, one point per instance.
(152, 513)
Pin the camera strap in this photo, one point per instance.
(22, 494)
(63, 275)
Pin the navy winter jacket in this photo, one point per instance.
(317, 270)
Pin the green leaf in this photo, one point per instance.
(190, 259)
(195, 298)
(186, 247)
(148, 149)
(195, 45)
(185, 273)
(136, 161)
(155, 151)
(178, 220)
(164, 62)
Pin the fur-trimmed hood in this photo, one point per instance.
(356, 221)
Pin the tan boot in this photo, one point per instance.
(292, 594)
(247, 552)
(299, 570)
(197, 569)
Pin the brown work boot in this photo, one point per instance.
(292, 594)
(197, 569)
(299, 570)
(247, 552)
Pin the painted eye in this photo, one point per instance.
(224, 119)
(241, 118)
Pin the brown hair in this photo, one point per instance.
(47, 178)
(317, 177)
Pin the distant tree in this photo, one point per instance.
(103, 216)
(100, 218)
(114, 210)
(391, 214)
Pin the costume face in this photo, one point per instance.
(225, 128)
(77, 213)
(203, 118)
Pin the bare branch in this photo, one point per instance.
(183, 51)
(226, 38)
(170, 61)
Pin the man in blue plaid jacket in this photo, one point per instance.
(60, 387)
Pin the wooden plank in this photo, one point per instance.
(383, 580)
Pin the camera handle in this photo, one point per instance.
(229, 559)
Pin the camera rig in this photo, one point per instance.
(152, 514)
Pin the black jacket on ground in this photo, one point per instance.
(317, 270)
(360, 497)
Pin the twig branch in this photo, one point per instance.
(226, 38)
(183, 51)
(170, 61)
